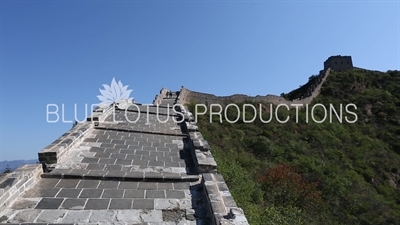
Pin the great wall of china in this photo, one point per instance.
(104, 171)
(187, 95)
(338, 63)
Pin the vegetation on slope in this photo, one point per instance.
(316, 173)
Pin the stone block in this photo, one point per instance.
(201, 144)
(195, 135)
(211, 188)
(229, 201)
(218, 208)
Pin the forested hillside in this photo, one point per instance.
(316, 173)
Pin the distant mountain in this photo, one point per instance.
(14, 164)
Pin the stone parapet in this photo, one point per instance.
(221, 204)
(53, 152)
(200, 149)
(158, 99)
(14, 184)
(223, 207)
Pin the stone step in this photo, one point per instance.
(120, 175)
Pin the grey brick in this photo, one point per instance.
(158, 144)
(142, 143)
(97, 204)
(165, 186)
(127, 151)
(112, 151)
(124, 162)
(175, 194)
(121, 147)
(73, 204)
(140, 139)
(104, 140)
(107, 161)
(113, 193)
(91, 193)
(101, 136)
(114, 167)
(171, 154)
(181, 186)
(120, 204)
(97, 173)
(176, 159)
(69, 193)
(44, 182)
(154, 140)
(143, 204)
(141, 152)
(148, 148)
(162, 149)
(46, 192)
(102, 155)
(98, 166)
(149, 158)
(134, 193)
(140, 162)
(106, 184)
(49, 203)
(88, 184)
(167, 159)
(132, 143)
(118, 156)
(68, 183)
(90, 140)
(128, 185)
(172, 164)
(147, 186)
(156, 163)
(134, 157)
(106, 145)
(90, 160)
(154, 153)
(114, 141)
(155, 194)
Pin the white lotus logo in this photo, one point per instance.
(114, 93)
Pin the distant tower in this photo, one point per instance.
(339, 63)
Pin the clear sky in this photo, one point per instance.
(62, 52)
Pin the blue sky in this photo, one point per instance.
(61, 52)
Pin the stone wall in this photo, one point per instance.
(16, 183)
(222, 206)
(186, 95)
(161, 96)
